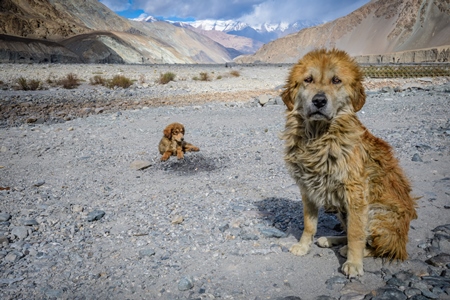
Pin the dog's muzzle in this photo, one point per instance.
(318, 107)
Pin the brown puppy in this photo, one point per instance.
(338, 164)
(173, 142)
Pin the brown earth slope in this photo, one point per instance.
(379, 27)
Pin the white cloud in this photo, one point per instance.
(116, 5)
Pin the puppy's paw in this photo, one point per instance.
(180, 157)
(352, 269)
(299, 249)
(195, 149)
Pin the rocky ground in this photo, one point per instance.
(87, 210)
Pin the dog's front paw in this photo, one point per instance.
(299, 249)
(352, 269)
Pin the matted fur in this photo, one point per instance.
(338, 164)
(172, 143)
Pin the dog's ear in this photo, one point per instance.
(168, 132)
(287, 97)
(359, 96)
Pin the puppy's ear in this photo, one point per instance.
(168, 132)
(287, 97)
(358, 97)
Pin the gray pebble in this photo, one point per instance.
(146, 252)
(95, 215)
(272, 232)
(21, 232)
(416, 157)
(4, 217)
(185, 284)
(29, 222)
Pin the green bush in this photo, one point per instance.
(166, 77)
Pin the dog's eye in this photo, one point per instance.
(335, 80)
(308, 79)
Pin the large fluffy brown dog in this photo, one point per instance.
(338, 164)
(173, 143)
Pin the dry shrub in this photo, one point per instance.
(120, 81)
(166, 77)
(235, 73)
(28, 85)
(97, 80)
(71, 81)
(204, 76)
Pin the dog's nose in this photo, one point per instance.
(319, 100)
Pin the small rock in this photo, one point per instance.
(77, 208)
(416, 157)
(185, 284)
(140, 164)
(146, 252)
(39, 183)
(29, 222)
(272, 232)
(440, 260)
(4, 217)
(21, 232)
(13, 256)
(95, 215)
(177, 220)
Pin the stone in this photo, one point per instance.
(185, 284)
(440, 260)
(4, 217)
(95, 215)
(21, 232)
(272, 232)
(146, 252)
(140, 164)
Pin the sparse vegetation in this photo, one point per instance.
(219, 77)
(405, 71)
(141, 78)
(71, 81)
(204, 76)
(235, 73)
(28, 85)
(166, 77)
(120, 81)
(98, 80)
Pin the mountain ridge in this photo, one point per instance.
(377, 28)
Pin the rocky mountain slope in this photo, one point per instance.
(379, 27)
(90, 32)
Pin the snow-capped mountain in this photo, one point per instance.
(264, 32)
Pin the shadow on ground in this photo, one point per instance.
(193, 163)
(287, 216)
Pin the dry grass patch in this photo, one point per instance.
(235, 73)
(120, 81)
(166, 77)
(71, 81)
(28, 85)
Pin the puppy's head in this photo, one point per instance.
(174, 131)
(323, 84)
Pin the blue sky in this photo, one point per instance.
(249, 11)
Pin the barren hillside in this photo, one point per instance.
(379, 27)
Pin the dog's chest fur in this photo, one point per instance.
(319, 158)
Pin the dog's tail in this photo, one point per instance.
(388, 232)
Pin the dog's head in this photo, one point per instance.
(323, 84)
(174, 131)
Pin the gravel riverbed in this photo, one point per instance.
(79, 220)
